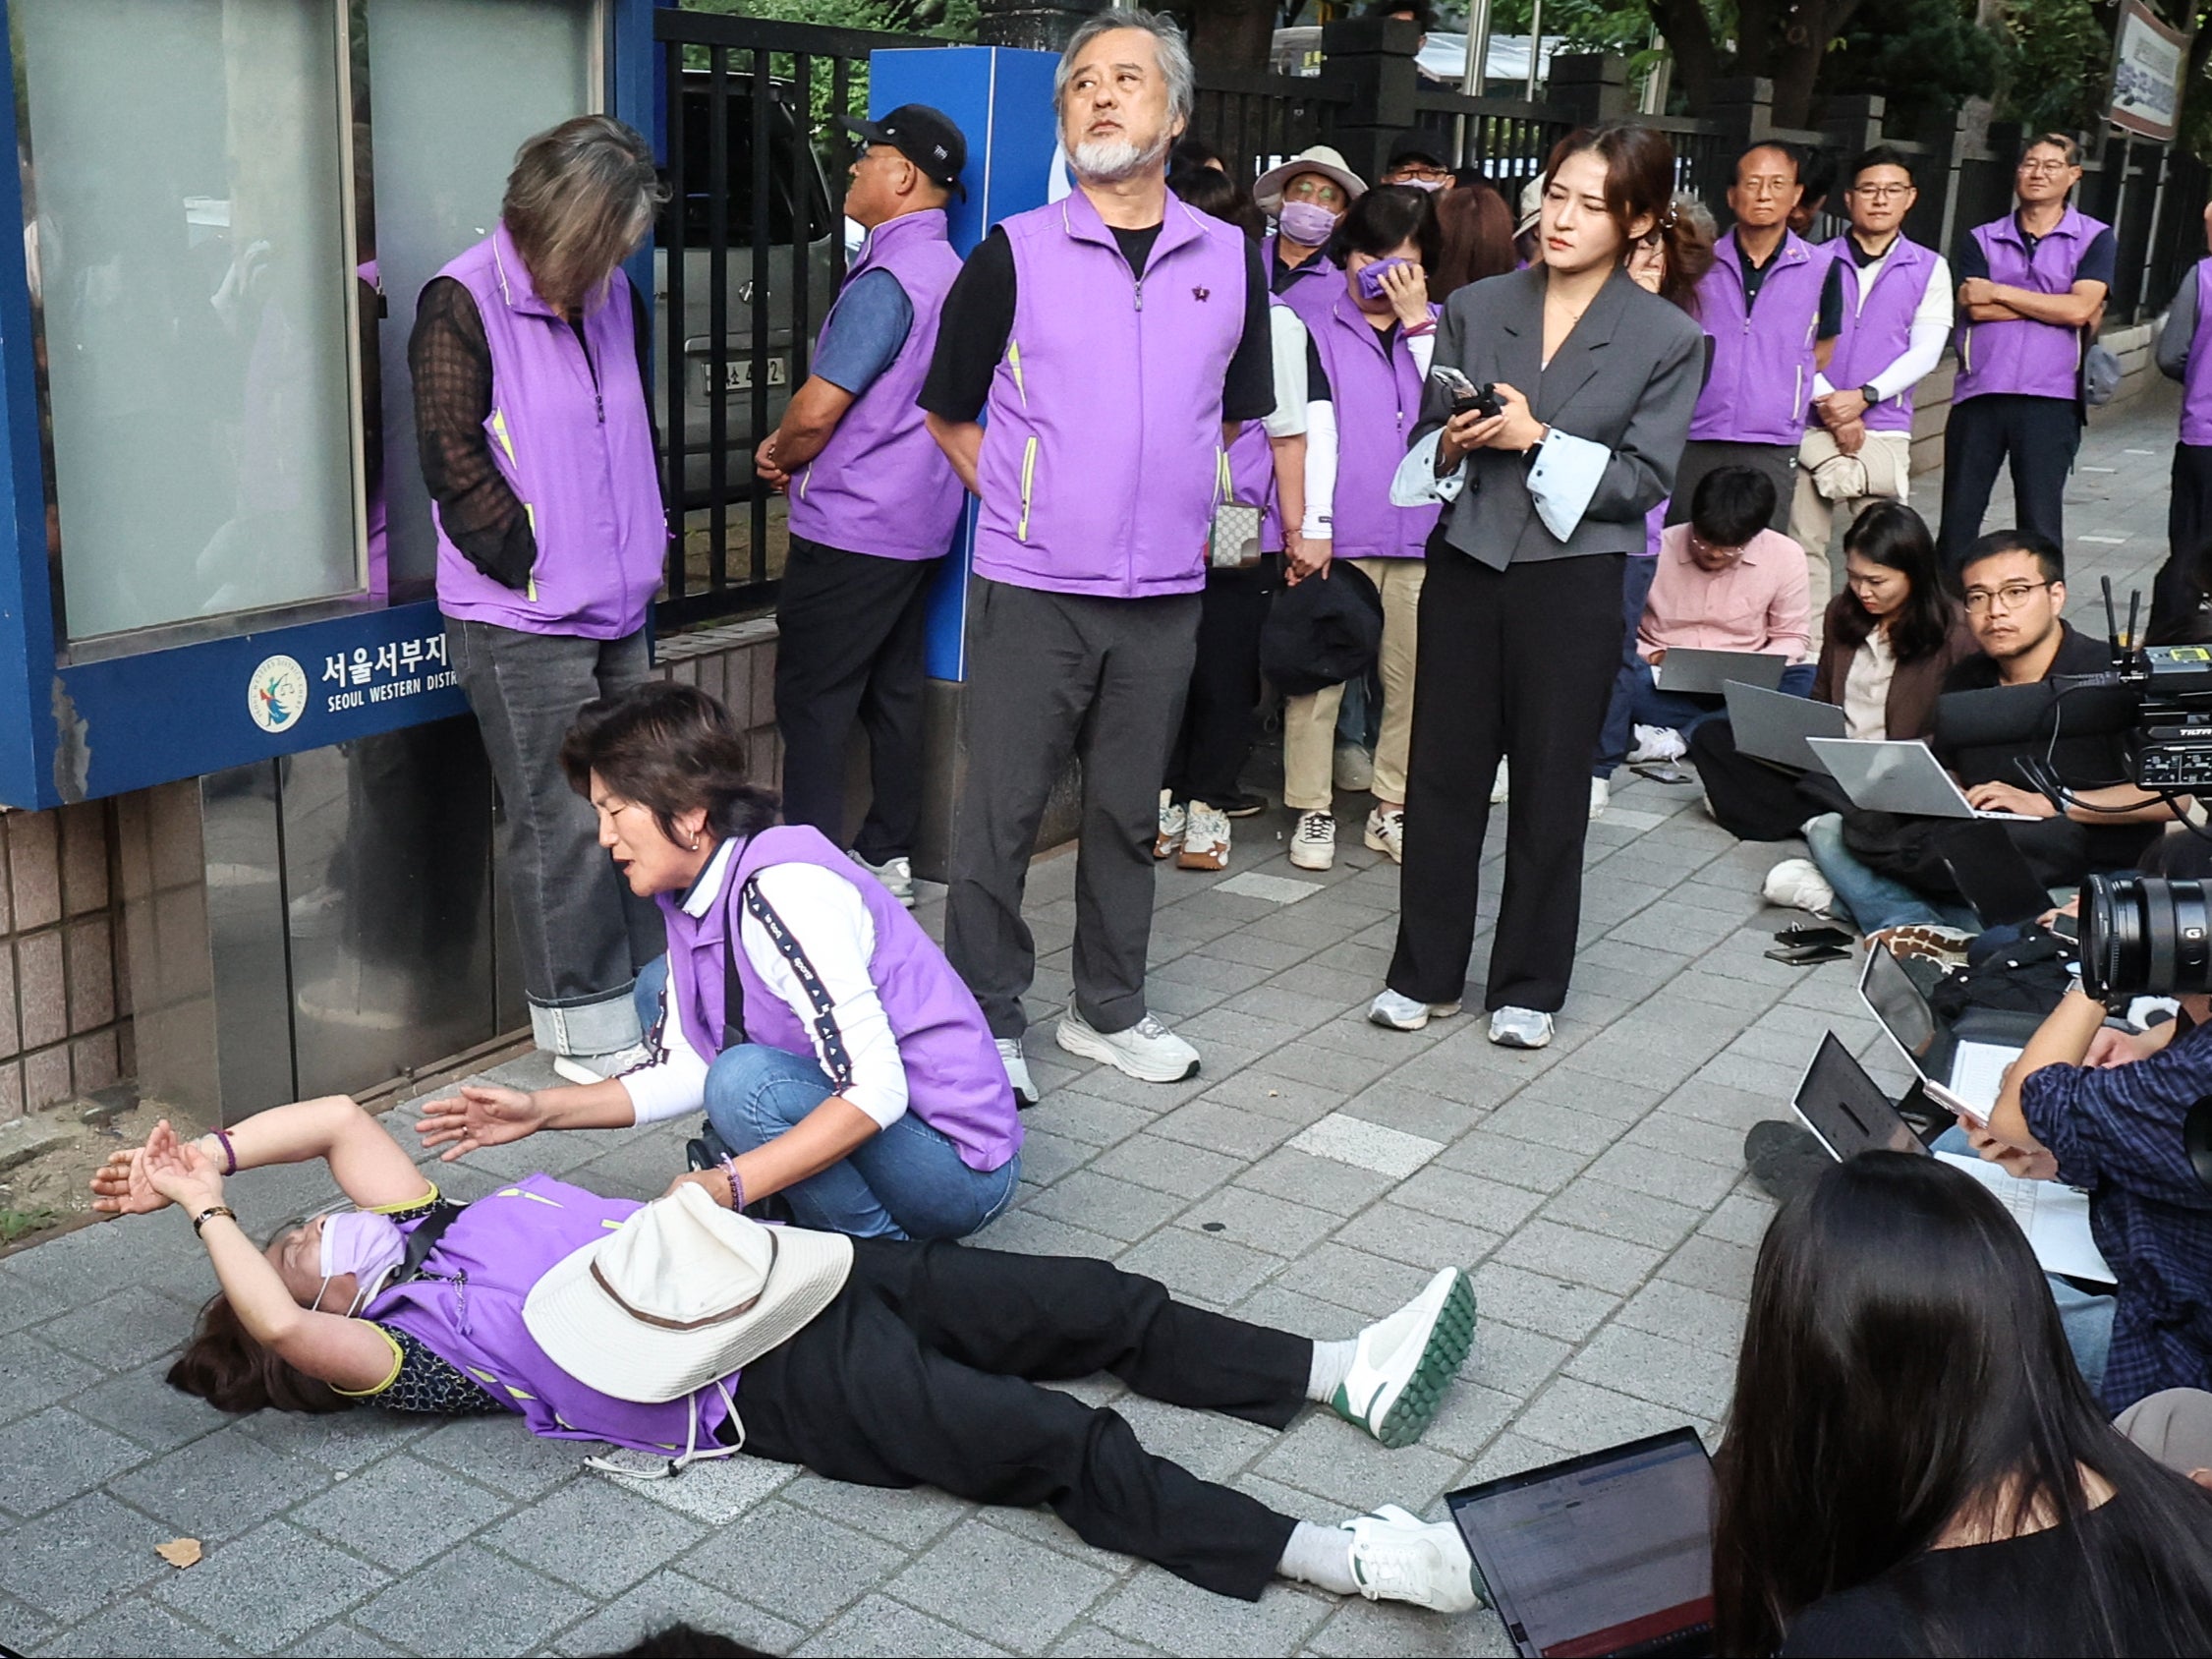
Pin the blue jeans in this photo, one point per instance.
(1873, 901)
(1686, 711)
(904, 1181)
(1613, 736)
(2085, 1316)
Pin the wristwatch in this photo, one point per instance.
(1868, 392)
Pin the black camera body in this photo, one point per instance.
(2171, 745)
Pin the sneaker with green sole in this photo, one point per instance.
(1403, 1364)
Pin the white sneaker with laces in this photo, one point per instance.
(1174, 822)
(1147, 1051)
(1658, 743)
(1498, 786)
(1601, 797)
(1017, 1069)
(587, 1069)
(1402, 1365)
(1520, 1028)
(896, 875)
(1405, 1014)
(1398, 1556)
(1206, 839)
(1386, 833)
(1313, 844)
(1352, 768)
(1797, 883)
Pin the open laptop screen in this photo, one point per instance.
(1601, 1553)
(1904, 1013)
(1846, 1108)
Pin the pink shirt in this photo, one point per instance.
(1757, 603)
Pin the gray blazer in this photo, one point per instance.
(1627, 378)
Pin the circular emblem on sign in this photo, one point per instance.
(277, 694)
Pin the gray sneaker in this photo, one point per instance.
(1147, 1051)
(1405, 1014)
(1520, 1028)
(896, 875)
(1016, 1064)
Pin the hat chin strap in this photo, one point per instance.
(693, 1452)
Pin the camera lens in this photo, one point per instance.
(2145, 935)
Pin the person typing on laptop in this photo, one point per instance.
(1890, 871)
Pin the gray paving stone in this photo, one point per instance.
(1471, 1416)
(911, 1520)
(670, 1598)
(1240, 1134)
(499, 1453)
(1521, 1296)
(882, 1626)
(1295, 1100)
(1167, 1166)
(1166, 1612)
(1665, 1174)
(1490, 1152)
(1711, 1323)
(596, 1534)
(341, 1641)
(142, 1406)
(1086, 1640)
(1456, 1196)
(1027, 1229)
(1018, 1595)
(1369, 1285)
(1085, 1117)
(1326, 1455)
(1258, 1220)
(1416, 1237)
(34, 1374)
(471, 1601)
(796, 1563)
(1211, 1446)
(1597, 1206)
(77, 1558)
(1100, 1204)
(343, 1440)
(1742, 1217)
(1658, 1368)
(1510, 1359)
(1364, 1630)
(1200, 1267)
(1319, 1183)
(138, 1626)
(24, 1300)
(1413, 1112)
(274, 1584)
(1580, 1416)
(1712, 1264)
(400, 1511)
(1046, 1156)
(49, 1459)
(21, 1628)
(220, 1486)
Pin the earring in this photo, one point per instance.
(695, 843)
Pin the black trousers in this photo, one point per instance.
(1750, 799)
(850, 644)
(2035, 436)
(1519, 664)
(924, 1371)
(2179, 591)
(1215, 737)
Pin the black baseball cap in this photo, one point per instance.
(1413, 145)
(926, 136)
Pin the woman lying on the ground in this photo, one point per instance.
(1913, 1463)
(841, 1062)
(900, 1363)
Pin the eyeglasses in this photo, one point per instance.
(2046, 166)
(1881, 192)
(2012, 594)
(1766, 187)
(1308, 187)
(1421, 170)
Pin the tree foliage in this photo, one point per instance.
(2058, 63)
(1916, 54)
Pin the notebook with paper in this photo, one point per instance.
(1849, 1114)
(1774, 726)
(1960, 1075)
(1881, 774)
(1706, 673)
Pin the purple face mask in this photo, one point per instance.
(1305, 224)
(367, 1246)
(1371, 276)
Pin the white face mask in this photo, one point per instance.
(369, 1246)
(855, 233)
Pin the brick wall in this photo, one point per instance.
(64, 1014)
(736, 663)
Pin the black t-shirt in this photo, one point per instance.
(2026, 1596)
(1755, 278)
(1831, 289)
(979, 316)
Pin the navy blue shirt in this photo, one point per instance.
(2117, 1134)
(2098, 260)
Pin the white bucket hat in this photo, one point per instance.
(1266, 189)
(681, 1294)
(1532, 205)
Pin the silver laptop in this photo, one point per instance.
(1891, 776)
(1774, 726)
(1705, 672)
(1959, 1075)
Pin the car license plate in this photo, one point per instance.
(737, 373)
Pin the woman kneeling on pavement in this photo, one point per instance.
(680, 1331)
(844, 1068)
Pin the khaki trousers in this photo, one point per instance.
(1886, 459)
(1309, 723)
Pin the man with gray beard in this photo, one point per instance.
(1117, 338)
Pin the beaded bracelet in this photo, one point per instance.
(737, 1184)
(230, 1153)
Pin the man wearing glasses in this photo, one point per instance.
(2031, 289)
(1761, 307)
(1892, 299)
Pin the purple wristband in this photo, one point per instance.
(737, 1184)
(230, 1153)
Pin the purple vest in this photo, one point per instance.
(2016, 356)
(579, 457)
(1377, 399)
(1101, 455)
(1876, 333)
(955, 1081)
(880, 484)
(1762, 379)
(1313, 286)
(499, 1248)
(2196, 378)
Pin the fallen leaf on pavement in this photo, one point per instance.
(179, 1551)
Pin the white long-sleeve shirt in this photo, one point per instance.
(826, 914)
(1925, 338)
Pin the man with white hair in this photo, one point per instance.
(1117, 338)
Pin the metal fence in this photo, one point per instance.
(747, 258)
(1256, 120)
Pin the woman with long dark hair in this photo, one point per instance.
(1913, 1463)
(1520, 617)
(1889, 639)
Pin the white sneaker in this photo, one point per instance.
(1017, 1070)
(1402, 1365)
(1797, 883)
(1601, 797)
(587, 1069)
(1313, 844)
(1498, 787)
(1206, 841)
(1658, 743)
(1398, 1556)
(896, 875)
(1352, 768)
(1173, 823)
(1520, 1028)
(1386, 833)
(1147, 1051)
(1404, 1013)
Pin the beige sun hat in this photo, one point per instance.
(1266, 189)
(1532, 205)
(681, 1294)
